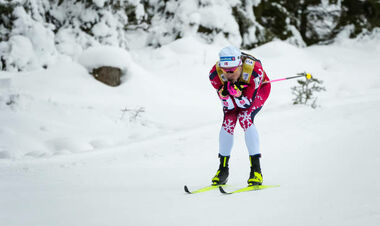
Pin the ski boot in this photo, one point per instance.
(221, 176)
(255, 177)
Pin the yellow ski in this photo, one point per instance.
(249, 188)
(207, 188)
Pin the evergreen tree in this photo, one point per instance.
(305, 91)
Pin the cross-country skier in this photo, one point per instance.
(240, 82)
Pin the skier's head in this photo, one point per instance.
(230, 62)
(229, 57)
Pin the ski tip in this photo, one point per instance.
(186, 189)
(222, 190)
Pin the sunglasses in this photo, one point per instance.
(229, 69)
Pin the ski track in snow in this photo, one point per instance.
(325, 159)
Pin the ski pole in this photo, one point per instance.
(307, 75)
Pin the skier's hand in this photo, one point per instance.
(235, 89)
(240, 85)
(223, 92)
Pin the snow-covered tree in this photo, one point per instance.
(34, 32)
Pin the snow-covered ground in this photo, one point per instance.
(70, 155)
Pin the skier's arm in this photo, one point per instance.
(249, 92)
(221, 90)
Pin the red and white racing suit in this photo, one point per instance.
(243, 109)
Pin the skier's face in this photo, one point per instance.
(232, 74)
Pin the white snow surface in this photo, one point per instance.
(74, 151)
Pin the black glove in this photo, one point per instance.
(223, 92)
(240, 85)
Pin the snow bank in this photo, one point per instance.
(95, 57)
